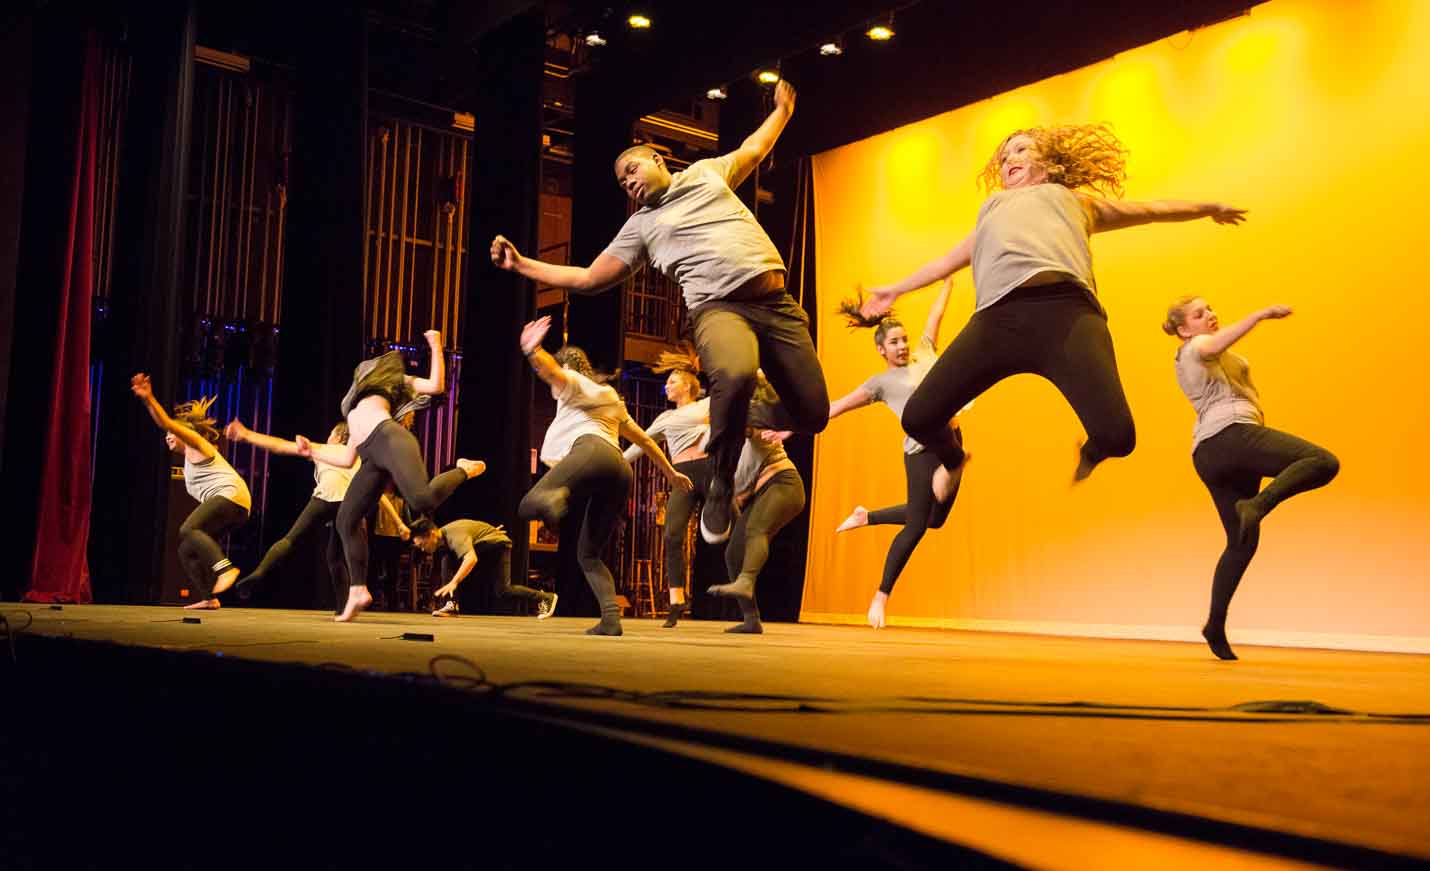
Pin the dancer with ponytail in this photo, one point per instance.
(587, 473)
(685, 429)
(1036, 303)
(223, 496)
(381, 393)
(1233, 448)
(905, 369)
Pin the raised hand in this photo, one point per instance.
(1276, 312)
(433, 337)
(533, 333)
(504, 254)
(784, 96)
(877, 303)
(141, 386)
(305, 447)
(235, 431)
(1224, 214)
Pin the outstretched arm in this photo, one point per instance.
(1211, 346)
(638, 438)
(757, 145)
(237, 432)
(1117, 214)
(542, 363)
(334, 455)
(940, 303)
(856, 398)
(144, 390)
(436, 381)
(605, 271)
(469, 562)
(881, 299)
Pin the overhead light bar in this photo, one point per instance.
(767, 77)
(595, 39)
(831, 49)
(638, 22)
(880, 33)
(716, 94)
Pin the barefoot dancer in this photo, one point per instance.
(460, 542)
(904, 371)
(1036, 307)
(693, 228)
(587, 473)
(322, 509)
(381, 391)
(1232, 448)
(223, 496)
(772, 494)
(685, 429)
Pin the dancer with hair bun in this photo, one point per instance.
(1233, 448)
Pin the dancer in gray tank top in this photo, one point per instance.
(1233, 448)
(223, 496)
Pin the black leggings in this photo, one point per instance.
(1057, 331)
(592, 480)
(389, 453)
(734, 336)
(203, 560)
(1232, 464)
(678, 508)
(504, 586)
(315, 515)
(772, 506)
(921, 513)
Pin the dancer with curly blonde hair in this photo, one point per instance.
(1036, 305)
(224, 500)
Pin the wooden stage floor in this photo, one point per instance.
(1111, 724)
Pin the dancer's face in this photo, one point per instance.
(677, 388)
(427, 543)
(171, 441)
(895, 348)
(1020, 165)
(335, 437)
(1198, 319)
(643, 177)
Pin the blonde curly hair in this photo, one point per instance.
(1074, 155)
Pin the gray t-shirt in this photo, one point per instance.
(215, 477)
(1220, 390)
(680, 427)
(583, 407)
(895, 385)
(462, 536)
(700, 234)
(1025, 231)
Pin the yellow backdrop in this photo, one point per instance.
(1315, 116)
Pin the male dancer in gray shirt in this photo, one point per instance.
(692, 227)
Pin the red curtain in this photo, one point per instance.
(60, 572)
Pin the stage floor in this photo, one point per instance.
(1136, 723)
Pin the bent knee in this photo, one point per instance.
(1330, 464)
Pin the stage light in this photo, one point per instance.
(638, 22)
(880, 33)
(831, 49)
(595, 39)
(716, 94)
(767, 77)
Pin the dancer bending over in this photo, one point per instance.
(459, 542)
(1232, 448)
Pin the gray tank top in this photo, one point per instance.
(680, 427)
(1025, 231)
(1220, 390)
(215, 477)
(894, 386)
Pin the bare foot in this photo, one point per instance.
(876, 609)
(945, 483)
(857, 518)
(473, 468)
(226, 580)
(358, 599)
(204, 605)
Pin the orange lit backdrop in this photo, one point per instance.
(1315, 116)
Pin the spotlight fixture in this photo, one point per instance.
(595, 39)
(716, 94)
(831, 49)
(880, 33)
(767, 77)
(638, 22)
